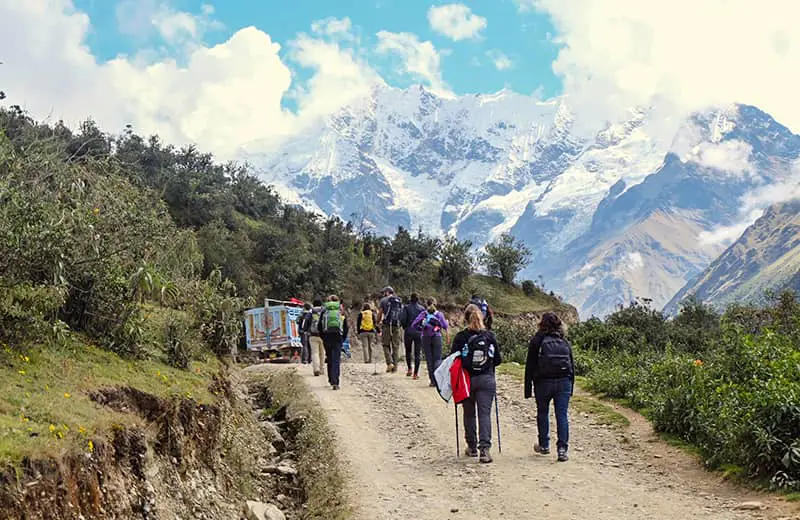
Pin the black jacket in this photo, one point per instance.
(532, 363)
(463, 337)
(409, 314)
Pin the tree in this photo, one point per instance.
(505, 258)
(456, 262)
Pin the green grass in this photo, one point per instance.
(505, 299)
(792, 497)
(45, 408)
(677, 442)
(600, 412)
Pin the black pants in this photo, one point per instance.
(433, 354)
(333, 354)
(483, 389)
(305, 351)
(413, 342)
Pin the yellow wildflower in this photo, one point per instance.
(67, 395)
(90, 446)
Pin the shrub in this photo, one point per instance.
(529, 288)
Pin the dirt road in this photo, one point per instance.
(398, 441)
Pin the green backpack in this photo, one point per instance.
(331, 317)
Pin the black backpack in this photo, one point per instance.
(304, 320)
(554, 358)
(393, 313)
(477, 356)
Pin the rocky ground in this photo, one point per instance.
(397, 439)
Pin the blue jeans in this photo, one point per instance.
(558, 391)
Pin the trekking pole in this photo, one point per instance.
(458, 442)
(497, 414)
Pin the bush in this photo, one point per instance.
(529, 288)
(513, 337)
(736, 396)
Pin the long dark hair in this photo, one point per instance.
(551, 325)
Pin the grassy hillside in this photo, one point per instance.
(45, 403)
(509, 300)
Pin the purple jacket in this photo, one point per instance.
(428, 331)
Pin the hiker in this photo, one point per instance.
(480, 354)
(391, 331)
(433, 323)
(304, 324)
(486, 310)
(333, 325)
(412, 337)
(550, 372)
(315, 338)
(367, 327)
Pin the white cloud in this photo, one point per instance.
(753, 205)
(334, 28)
(141, 18)
(634, 261)
(500, 60)
(456, 21)
(728, 157)
(420, 60)
(683, 54)
(219, 97)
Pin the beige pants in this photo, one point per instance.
(317, 354)
(368, 340)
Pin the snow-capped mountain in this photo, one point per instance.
(599, 212)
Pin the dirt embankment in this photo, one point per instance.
(183, 460)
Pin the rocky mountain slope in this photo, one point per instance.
(765, 257)
(609, 216)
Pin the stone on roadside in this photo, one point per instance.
(260, 511)
(751, 506)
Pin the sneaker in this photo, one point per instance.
(394, 369)
(471, 452)
(562, 455)
(432, 384)
(335, 387)
(484, 456)
(541, 450)
(388, 369)
(408, 373)
(316, 373)
(415, 377)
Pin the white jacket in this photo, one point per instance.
(442, 377)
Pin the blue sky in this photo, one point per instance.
(468, 65)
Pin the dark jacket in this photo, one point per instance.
(463, 337)
(374, 323)
(408, 315)
(532, 363)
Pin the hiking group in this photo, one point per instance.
(466, 374)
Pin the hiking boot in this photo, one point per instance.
(316, 373)
(389, 369)
(408, 373)
(562, 455)
(415, 377)
(394, 369)
(541, 450)
(471, 452)
(335, 387)
(484, 456)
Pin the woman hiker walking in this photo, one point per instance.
(550, 373)
(480, 354)
(433, 324)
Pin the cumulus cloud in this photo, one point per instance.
(456, 21)
(500, 60)
(141, 18)
(683, 53)
(420, 59)
(218, 97)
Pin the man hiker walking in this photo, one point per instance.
(391, 331)
(412, 336)
(315, 338)
(334, 332)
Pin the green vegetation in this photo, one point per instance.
(508, 299)
(505, 258)
(728, 385)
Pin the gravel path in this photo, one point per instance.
(397, 439)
